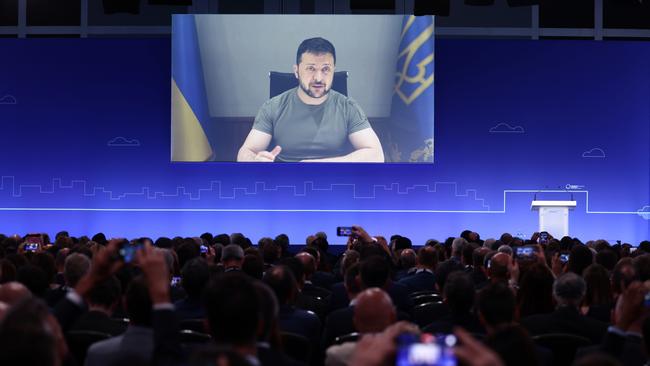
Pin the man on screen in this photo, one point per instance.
(312, 122)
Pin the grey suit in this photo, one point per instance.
(133, 347)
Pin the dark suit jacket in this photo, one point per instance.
(400, 296)
(299, 321)
(338, 323)
(565, 319)
(628, 350)
(100, 322)
(188, 308)
(339, 298)
(272, 357)
(446, 325)
(420, 281)
(323, 279)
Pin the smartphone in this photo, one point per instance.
(646, 300)
(31, 247)
(425, 350)
(204, 249)
(543, 237)
(128, 250)
(526, 252)
(176, 281)
(344, 231)
(564, 258)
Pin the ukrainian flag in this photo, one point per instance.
(411, 132)
(189, 102)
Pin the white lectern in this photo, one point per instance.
(554, 216)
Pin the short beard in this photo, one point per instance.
(309, 92)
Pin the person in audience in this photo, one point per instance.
(102, 301)
(232, 257)
(478, 270)
(580, 258)
(291, 319)
(452, 264)
(597, 303)
(375, 272)
(339, 298)
(30, 335)
(374, 312)
(135, 345)
(12, 293)
(568, 291)
(535, 294)
(458, 294)
(309, 266)
(339, 322)
(194, 276)
(406, 263)
(253, 265)
(499, 268)
(423, 279)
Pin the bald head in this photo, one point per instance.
(4, 308)
(308, 263)
(374, 311)
(498, 270)
(13, 292)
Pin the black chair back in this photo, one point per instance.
(296, 346)
(563, 346)
(80, 340)
(427, 313)
(197, 325)
(191, 337)
(283, 81)
(421, 299)
(351, 337)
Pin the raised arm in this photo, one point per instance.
(254, 148)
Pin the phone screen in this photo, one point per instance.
(426, 351)
(127, 252)
(204, 249)
(564, 258)
(31, 247)
(344, 231)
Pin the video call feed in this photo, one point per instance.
(302, 88)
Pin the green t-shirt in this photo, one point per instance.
(310, 131)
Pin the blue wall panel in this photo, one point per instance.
(86, 131)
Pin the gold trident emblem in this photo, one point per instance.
(409, 51)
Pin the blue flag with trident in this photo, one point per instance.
(411, 132)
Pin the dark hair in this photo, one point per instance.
(186, 251)
(232, 308)
(350, 279)
(295, 265)
(34, 279)
(316, 46)
(138, 302)
(106, 292)
(195, 276)
(374, 272)
(535, 295)
(281, 280)
(599, 291)
(642, 265)
(45, 261)
(99, 238)
(270, 250)
(513, 345)
(459, 292)
(580, 258)
(223, 239)
(164, 243)
(7, 271)
(403, 242)
(427, 256)
(24, 338)
(253, 265)
(496, 303)
(607, 258)
(283, 241)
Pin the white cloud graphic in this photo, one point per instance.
(596, 152)
(644, 212)
(506, 128)
(123, 141)
(8, 99)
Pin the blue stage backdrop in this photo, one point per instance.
(86, 131)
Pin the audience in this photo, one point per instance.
(237, 302)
